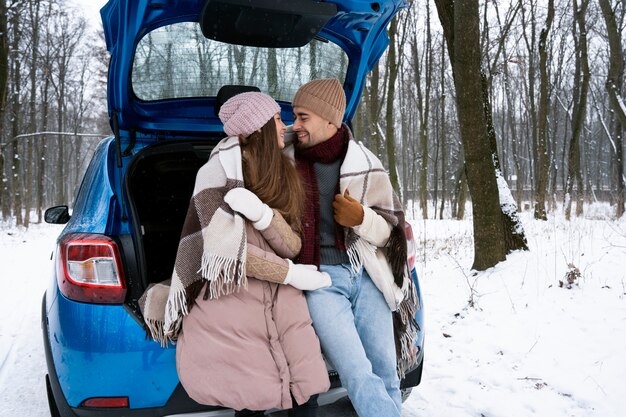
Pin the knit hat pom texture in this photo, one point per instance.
(245, 113)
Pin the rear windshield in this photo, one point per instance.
(177, 61)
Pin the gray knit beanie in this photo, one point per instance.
(325, 98)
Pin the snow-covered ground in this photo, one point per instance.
(506, 342)
(527, 347)
(25, 265)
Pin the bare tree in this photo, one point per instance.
(34, 13)
(442, 106)
(513, 233)
(530, 23)
(392, 68)
(614, 85)
(581, 89)
(69, 35)
(460, 23)
(372, 103)
(423, 105)
(16, 115)
(541, 175)
(4, 83)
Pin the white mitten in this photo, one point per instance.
(250, 206)
(306, 277)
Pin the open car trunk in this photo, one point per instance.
(159, 185)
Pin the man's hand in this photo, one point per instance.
(348, 211)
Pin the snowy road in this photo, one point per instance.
(25, 260)
(526, 348)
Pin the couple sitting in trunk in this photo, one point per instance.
(282, 245)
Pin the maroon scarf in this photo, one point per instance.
(326, 152)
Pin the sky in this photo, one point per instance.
(523, 346)
(91, 10)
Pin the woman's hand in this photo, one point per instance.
(250, 206)
(306, 277)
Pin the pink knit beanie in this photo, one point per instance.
(246, 113)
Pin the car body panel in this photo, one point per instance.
(115, 358)
(96, 197)
(419, 313)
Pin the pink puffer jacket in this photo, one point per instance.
(254, 348)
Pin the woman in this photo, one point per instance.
(248, 342)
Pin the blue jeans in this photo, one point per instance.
(355, 328)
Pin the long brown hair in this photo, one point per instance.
(271, 175)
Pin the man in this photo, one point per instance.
(353, 228)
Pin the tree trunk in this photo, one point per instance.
(541, 175)
(272, 72)
(513, 232)
(60, 163)
(510, 117)
(614, 85)
(390, 128)
(423, 108)
(423, 140)
(444, 177)
(461, 28)
(43, 148)
(16, 180)
(4, 82)
(313, 61)
(581, 88)
(372, 100)
(34, 13)
(460, 191)
(530, 47)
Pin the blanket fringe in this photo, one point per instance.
(358, 251)
(406, 331)
(155, 329)
(175, 309)
(225, 275)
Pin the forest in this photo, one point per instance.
(534, 88)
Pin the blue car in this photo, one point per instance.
(173, 63)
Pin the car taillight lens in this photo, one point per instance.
(410, 245)
(89, 269)
(106, 402)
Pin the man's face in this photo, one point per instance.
(310, 128)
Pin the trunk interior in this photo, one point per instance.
(159, 184)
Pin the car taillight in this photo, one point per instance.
(410, 245)
(89, 269)
(106, 402)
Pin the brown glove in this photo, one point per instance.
(348, 211)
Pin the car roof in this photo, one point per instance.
(358, 27)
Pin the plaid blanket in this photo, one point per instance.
(364, 176)
(212, 247)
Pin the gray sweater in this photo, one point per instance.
(327, 180)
